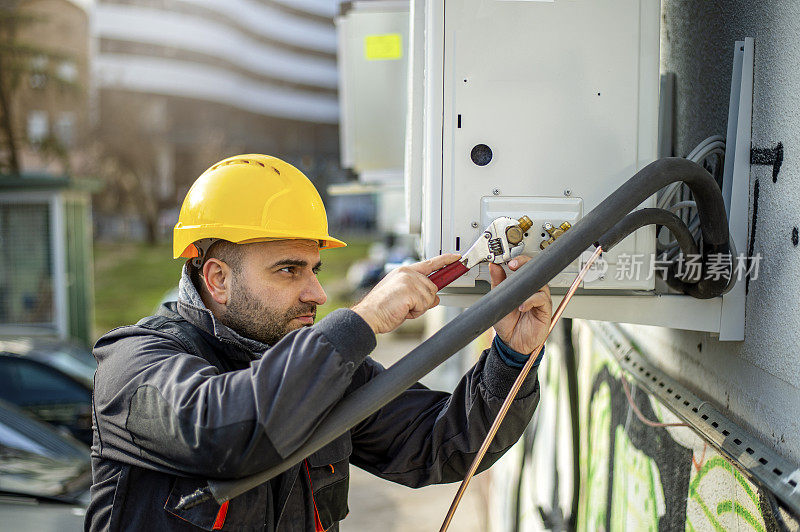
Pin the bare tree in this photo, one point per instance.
(132, 153)
(124, 156)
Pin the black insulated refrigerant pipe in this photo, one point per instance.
(499, 302)
(701, 288)
(650, 216)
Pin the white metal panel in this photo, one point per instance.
(672, 311)
(415, 117)
(345, 112)
(433, 70)
(564, 93)
(541, 210)
(373, 91)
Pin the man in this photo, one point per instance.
(233, 377)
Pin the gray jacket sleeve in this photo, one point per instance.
(427, 437)
(160, 406)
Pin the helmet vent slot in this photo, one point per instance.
(241, 161)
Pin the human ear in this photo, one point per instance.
(216, 278)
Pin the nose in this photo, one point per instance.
(314, 293)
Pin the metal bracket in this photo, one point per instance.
(736, 181)
(746, 452)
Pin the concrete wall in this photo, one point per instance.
(756, 382)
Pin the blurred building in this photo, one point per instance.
(45, 236)
(184, 83)
(49, 45)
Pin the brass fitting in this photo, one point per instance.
(515, 233)
(554, 232)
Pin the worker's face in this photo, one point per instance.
(275, 290)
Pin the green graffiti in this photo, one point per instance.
(636, 482)
(711, 517)
(718, 461)
(725, 506)
(636, 491)
(594, 512)
(653, 482)
(741, 511)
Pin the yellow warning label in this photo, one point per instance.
(387, 46)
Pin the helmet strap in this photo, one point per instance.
(202, 246)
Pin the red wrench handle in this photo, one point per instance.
(448, 274)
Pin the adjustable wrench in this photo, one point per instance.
(494, 245)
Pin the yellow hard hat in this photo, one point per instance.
(251, 198)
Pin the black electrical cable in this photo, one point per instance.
(650, 216)
(702, 287)
(507, 296)
(662, 217)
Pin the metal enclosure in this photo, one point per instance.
(565, 97)
(544, 108)
(373, 60)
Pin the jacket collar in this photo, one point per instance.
(192, 308)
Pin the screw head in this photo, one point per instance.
(474, 224)
(567, 192)
(496, 192)
(487, 235)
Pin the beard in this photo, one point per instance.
(253, 319)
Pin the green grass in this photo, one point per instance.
(130, 279)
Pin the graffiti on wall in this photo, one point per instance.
(639, 467)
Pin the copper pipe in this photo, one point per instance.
(514, 390)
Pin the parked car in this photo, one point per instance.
(68, 357)
(39, 461)
(50, 394)
(44, 475)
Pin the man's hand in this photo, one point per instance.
(526, 327)
(405, 293)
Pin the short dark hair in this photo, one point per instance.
(224, 250)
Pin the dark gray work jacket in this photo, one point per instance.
(179, 399)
